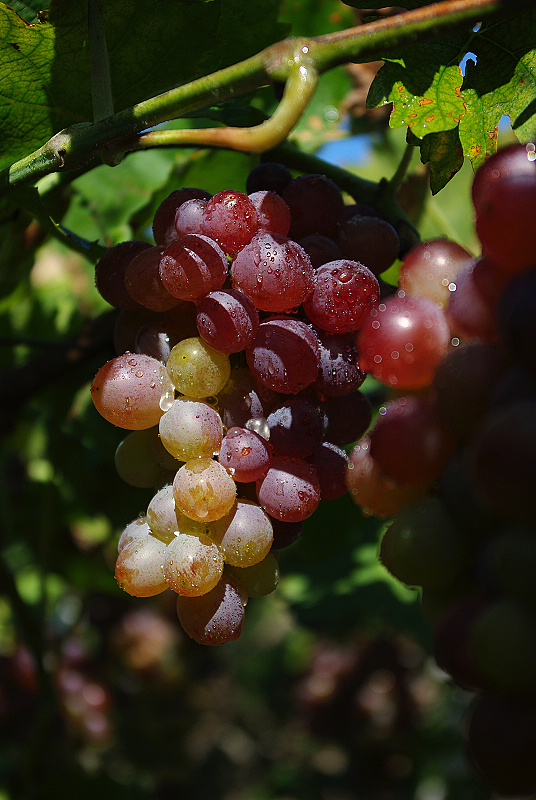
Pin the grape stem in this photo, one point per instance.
(73, 147)
(299, 88)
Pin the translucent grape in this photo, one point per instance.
(162, 514)
(139, 567)
(191, 428)
(344, 292)
(284, 355)
(193, 564)
(230, 218)
(132, 391)
(227, 320)
(244, 535)
(203, 489)
(245, 454)
(260, 579)
(196, 369)
(290, 490)
(135, 463)
(192, 266)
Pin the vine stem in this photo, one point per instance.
(73, 147)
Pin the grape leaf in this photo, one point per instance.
(152, 47)
(425, 95)
(443, 153)
(502, 82)
(425, 86)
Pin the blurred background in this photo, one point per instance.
(331, 692)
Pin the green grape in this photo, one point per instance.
(422, 547)
(135, 463)
(196, 369)
(260, 579)
(139, 567)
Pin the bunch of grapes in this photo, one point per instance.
(452, 456)
(245, 335)
(239, 380)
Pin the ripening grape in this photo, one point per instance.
(162, 514)
(193, 564)
(139, 567)
(203, 489)
(290, 490)
(191, 428)
(402, 341)
(196, 369)
(244, 535)
(259, 579)
(215, 617)
(132, 391)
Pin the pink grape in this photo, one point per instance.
(290, 490)
(192, 266)
(215, 617)
(132, 391)
(274, 272)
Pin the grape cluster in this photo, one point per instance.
(452, 456)
(238, 379)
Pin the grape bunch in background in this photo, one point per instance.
(245, 335)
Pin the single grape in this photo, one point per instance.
(245, 454)
(192, 266)
(290, 490)
(423, 547)
(274, 272)
(227, 320)
(259, 579)
(330, 463)
(244, 535)
(273, 214)
(164, 231)
(110, 273)
(296, 427)
(196, 369)
(402, 341)
(135, 463)
(344, 292)
(189, 217)
(348, 417)
(284, 355)
(316, 205)
(215, 617)
(230, 218)
(144, 283)
(320, 249)
(139, 570)
(409, 442)
(132, 391)
(193, 564)
(370, 240)
(191, 428)
(430, 269)
(371, 490)
(162, 514)
(339, 371)
(203, 490)
(269, 176)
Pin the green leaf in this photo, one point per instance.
(152, 47)
(424, 88)
(424, 85)
(443, 153)
(502, 82)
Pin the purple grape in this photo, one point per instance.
(284, 355)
